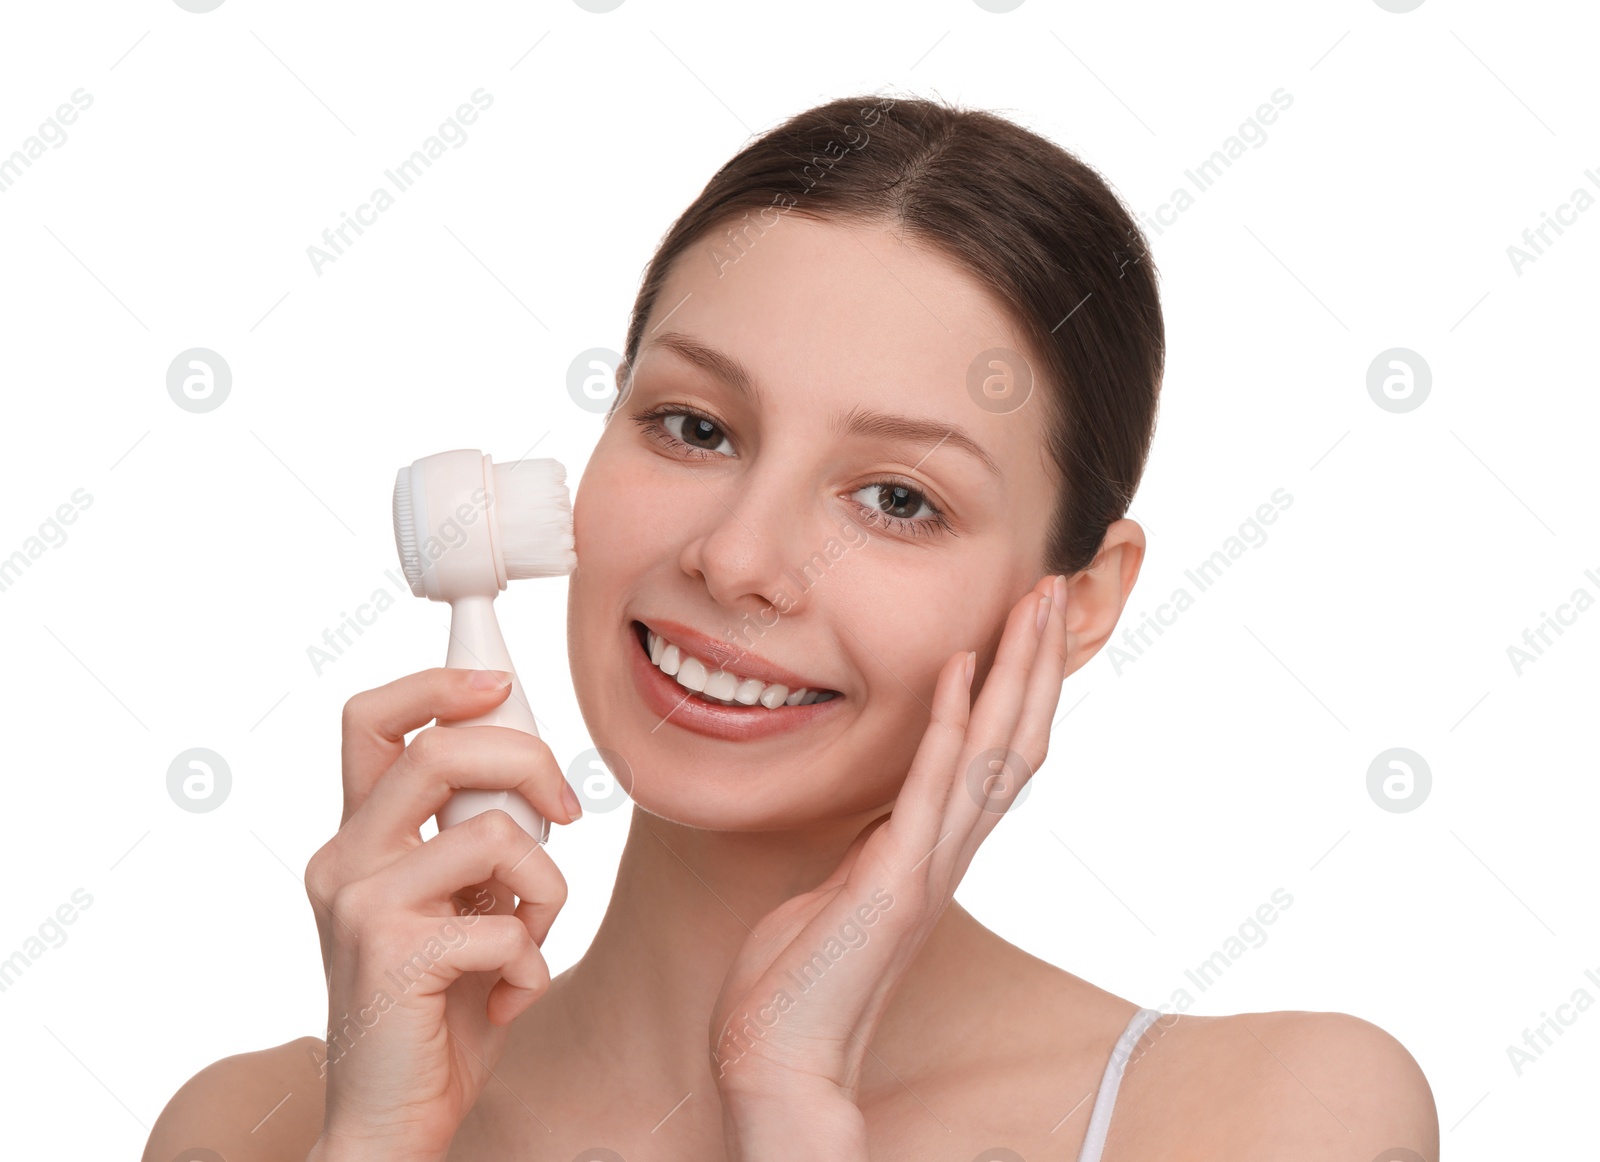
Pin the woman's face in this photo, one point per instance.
(772, 530)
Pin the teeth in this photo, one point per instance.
(721, 686)
(692, 674)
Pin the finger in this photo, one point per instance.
(440, 761)
(490, 898)
(851, 854)
(1032, 736)
(495, 944)
(1031, 741)
(376, 722)
(490, 844)
(919, 808)
(994, 718)
(439, 954)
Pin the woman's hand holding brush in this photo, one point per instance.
(421, 985)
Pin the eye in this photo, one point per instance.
(898, 506)
(680, 428)
(895, 505)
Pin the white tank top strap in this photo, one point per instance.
(1100, 1116)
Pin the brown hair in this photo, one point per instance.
(1035, 225)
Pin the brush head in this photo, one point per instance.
(464, 525)
(406, 541)
(535, 518)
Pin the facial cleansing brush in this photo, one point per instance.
(464, 526)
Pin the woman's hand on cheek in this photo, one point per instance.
(803, 996)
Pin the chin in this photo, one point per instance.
(711, 805)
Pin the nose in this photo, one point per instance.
(747, 532)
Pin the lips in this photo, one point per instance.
(676, 708)
(722, 656)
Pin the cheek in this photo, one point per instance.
(621, 508)
(624, 531)
(895, 622)
(599, 539)
(910, 615)
(618, 522)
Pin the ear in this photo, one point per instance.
(1096, 595)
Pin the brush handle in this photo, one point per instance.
(476, 643)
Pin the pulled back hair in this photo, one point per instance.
(1030, 221)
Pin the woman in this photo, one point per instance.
(887, 393)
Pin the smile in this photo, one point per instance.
(723, 686)
(721, 700)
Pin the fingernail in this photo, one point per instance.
(1060, 589)
(1044, 612)
(972, 665)
(489, 679)
(570, 798)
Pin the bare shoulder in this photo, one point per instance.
(1324, 1087)
(250, 1107)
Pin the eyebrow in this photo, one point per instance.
(856, 422)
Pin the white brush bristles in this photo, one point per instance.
(405, 531)
(534, 515)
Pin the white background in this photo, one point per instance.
(1228, 761)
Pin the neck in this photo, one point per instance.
(685, 901)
